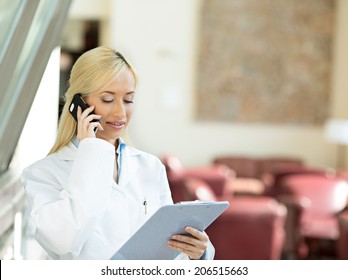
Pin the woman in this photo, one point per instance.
(93, 191)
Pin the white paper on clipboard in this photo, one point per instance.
(150, 242)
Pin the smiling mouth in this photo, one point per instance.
(116, 125)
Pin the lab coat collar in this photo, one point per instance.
(69, 151)
(129, 165)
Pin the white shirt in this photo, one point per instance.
(78, 209)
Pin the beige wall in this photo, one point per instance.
(340, 67)
(160, 38)
(339, 102)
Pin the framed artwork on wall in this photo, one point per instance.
(265, 61)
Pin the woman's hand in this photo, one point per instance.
(85, 126)
(193, 245)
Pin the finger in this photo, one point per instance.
(193, 241)
(79, 112)
(85, 122)
(191, 251)
(86, 127)
(181, 246)
(201, 235)
(81, 116)
(93, 125)
(79, 124)
(90, 118)
(86, 112)
(100, 127)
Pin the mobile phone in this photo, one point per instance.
(75, 103)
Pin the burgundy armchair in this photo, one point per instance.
(250, 172)
(244, 167)
(342, 243)
(273, 164)
(251, 228)
(273, 180)
(248, 167)
(245, 181)
(313, 204)
(217, 176)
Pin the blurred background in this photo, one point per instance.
(243, 101)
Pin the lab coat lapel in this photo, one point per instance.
(130, 161)
(129, 166)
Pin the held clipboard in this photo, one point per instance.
(149, 242)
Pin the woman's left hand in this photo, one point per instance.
(193, 245)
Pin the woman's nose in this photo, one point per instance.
(119, 109)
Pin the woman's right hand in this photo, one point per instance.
(85, 126)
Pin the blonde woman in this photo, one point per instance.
(93, 191)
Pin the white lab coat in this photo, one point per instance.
(78, 209)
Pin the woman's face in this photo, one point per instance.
(114, 103)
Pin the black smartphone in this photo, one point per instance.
(79, 101)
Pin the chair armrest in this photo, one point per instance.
(301, 202)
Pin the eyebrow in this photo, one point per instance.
(113, 93)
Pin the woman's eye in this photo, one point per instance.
(107, 100)
(128, 101)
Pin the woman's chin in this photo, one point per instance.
(110, 137)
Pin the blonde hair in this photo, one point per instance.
(92, 70)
